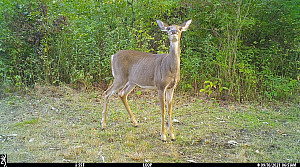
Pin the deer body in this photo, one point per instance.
(151, 71)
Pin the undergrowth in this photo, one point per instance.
(235, 44)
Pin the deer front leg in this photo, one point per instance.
(161, 95)
(169, 101)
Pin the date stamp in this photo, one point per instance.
(276, 165)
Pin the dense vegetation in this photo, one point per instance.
(244, 50)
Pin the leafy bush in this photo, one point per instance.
(249, 47)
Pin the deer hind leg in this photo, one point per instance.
(169, 101)
(114, 88)
(123, 95)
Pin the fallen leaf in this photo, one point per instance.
(232, 142)
(12, 135)
(31, 140)
(191, 161)
(175, 120)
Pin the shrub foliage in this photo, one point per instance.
(244, 50)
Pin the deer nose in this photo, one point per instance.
(174, 32)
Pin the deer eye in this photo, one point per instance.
(180, 28)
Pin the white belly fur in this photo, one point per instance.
(146, 87)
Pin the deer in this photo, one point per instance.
(160, 72)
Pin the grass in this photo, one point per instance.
(26, 122)
(58, 124)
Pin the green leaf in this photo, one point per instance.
(206, 87)
(138, 93)
(205, 82)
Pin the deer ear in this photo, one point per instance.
(163, 26)
(185, 25)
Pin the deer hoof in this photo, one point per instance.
(164, 138)
(172, 137)
(135, 124)
(103, 127)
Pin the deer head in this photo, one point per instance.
(174, 31)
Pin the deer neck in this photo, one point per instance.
(174, 56)
(175, 48)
